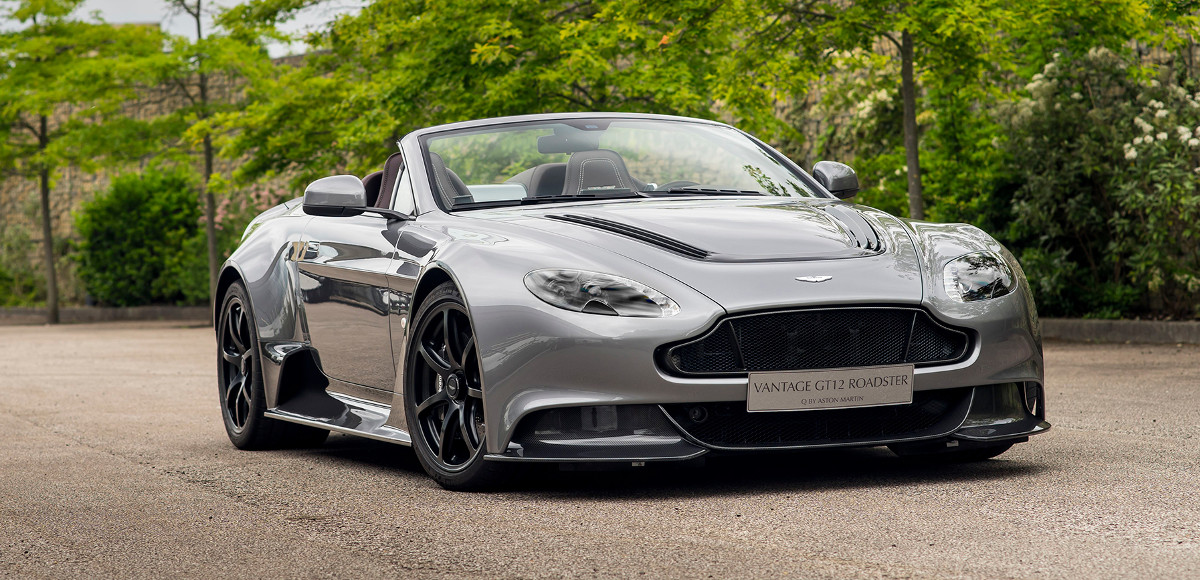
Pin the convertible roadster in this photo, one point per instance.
(618, 288)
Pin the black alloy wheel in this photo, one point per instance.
(450, 403)
(238, 360)
(240, 383)
(444, 394)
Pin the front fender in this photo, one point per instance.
(596, 357)
(1008, 334)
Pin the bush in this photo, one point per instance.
(1105, 216)
(143, 241)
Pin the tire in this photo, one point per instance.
(443, 395)
(240, 383)
(969, 455)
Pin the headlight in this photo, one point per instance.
(597, 293)
(978, 276)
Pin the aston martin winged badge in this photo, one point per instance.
(814, 279)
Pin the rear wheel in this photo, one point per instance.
(443, 395)
(240, 383)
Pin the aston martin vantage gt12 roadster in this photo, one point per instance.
(618, 288)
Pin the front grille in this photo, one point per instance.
(817, 339)
(730, 426)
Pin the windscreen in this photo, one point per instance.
(599, 159)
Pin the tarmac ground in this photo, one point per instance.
(114, 463)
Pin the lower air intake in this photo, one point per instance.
(730, 426)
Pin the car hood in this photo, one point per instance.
(762, 230)
(744, 254)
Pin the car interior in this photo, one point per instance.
(588, 170)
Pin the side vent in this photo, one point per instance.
(636, 233)
(862, 232)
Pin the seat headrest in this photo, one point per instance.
(450, 187)
(599, 169)
(391, 173)
(372, 183)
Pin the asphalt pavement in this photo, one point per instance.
(114, 463)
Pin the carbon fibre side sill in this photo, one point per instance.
(357, 417)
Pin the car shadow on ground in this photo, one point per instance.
(804, 471)
(808, 471)
(368, 452)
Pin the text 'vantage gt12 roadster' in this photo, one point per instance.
(618, 288)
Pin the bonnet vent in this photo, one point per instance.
(636, 233)
(864, 235)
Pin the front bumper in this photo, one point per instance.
(990, 414)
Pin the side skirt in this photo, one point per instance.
(343, 414)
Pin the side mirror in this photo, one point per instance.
(337, 195)
(838, 178)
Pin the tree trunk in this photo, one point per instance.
(47, 232)
(210, 218)
(210, 204)
(908, 92)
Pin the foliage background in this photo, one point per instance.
(1069, 130)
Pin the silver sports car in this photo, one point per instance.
(618, 288)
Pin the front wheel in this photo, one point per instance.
(240, 383)
(443, 395)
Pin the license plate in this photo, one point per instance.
(830, 388)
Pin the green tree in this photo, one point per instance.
(943, 45)
(204, 74)
(404, 64)
(63, 84)
(20, 284)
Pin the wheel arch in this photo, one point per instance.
(435, 275)
(229, 275)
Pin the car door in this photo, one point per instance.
(345, 292)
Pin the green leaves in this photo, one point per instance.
(143, 242)
(401, 64)
(1005, 142)
(1109, 193)
(77, 75)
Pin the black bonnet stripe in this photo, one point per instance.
(636, 233)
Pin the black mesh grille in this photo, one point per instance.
(717, 351)
(818, 339)
(932, 342)
(729, 425)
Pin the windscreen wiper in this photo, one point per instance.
(587, 196)
(608, 193)
(695, 190)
